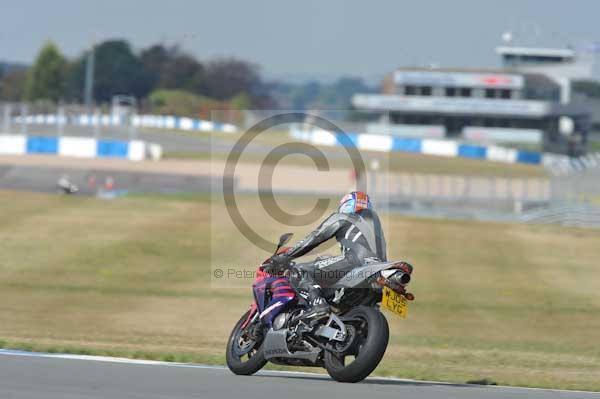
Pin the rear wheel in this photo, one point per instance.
(368, 335)
(244, 348)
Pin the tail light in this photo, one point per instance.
(403, 266)
(396, 278)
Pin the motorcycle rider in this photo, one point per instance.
(357, 229)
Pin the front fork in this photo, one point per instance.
(252, 316)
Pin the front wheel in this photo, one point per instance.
(244, 348)
(368, 335)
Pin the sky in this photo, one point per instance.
(303, 39)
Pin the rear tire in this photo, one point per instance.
(372, 335)
(252, 360)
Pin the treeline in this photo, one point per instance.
(166, 79)
(590, 88)
(164, 76)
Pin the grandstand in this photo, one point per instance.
(525, 102)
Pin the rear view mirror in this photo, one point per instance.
(284, 239)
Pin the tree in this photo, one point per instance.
(153, 59)
(315, 95)
(170, 68)
(180, 102)
(227, 77)
(590, 88)
(117, 70)
(46, 79)
(241, 101)
(12, 85)
(75, 79)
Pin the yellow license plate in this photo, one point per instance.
(394, 302)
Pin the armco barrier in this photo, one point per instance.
(446, 148)
(42, 145)
(81, 147)
(13, 144)
(154, 121)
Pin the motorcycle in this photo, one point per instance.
(65, 186)
(349, 341)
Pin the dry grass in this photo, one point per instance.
(516, 304)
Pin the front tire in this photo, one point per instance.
(244, 348)
(371, 335)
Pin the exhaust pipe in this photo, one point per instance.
(402, 278)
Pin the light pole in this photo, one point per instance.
(7, 116)
(89, 78)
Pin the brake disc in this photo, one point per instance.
(348, 344)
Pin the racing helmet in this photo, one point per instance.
(354, 202)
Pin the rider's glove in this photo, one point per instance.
(282, 260)
(278, 264)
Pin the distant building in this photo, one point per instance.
(527, 101)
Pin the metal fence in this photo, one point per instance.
(24, 118)
(566, 198)
(576, 215)
(574, 195)
(474, 192)
(579, 184)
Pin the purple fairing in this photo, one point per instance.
(272, 294)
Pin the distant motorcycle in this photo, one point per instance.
(349, 342)
(65, 186)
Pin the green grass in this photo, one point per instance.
(394, 161)
(514, 304)
(594, 146)
(114, 352)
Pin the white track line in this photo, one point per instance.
(123, 360)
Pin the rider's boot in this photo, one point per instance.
(318, 306)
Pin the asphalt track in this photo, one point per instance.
(25, 375)
(45, 178)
